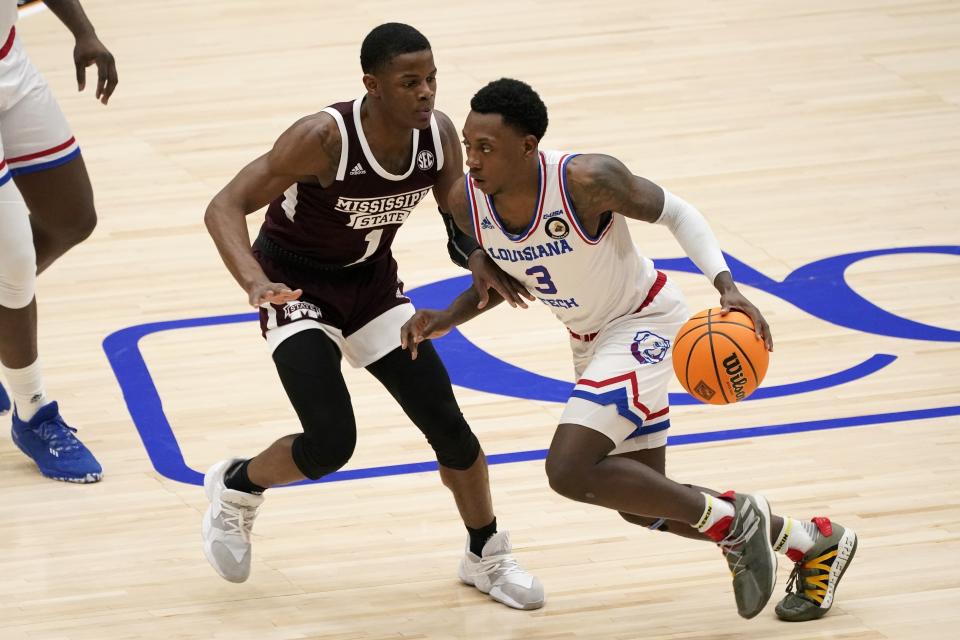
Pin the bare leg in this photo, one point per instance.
(471, 491)
(62, 214)
(656, 460)
(274, 465)
(18, 336)
(579, 467)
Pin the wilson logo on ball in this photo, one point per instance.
(735, 375)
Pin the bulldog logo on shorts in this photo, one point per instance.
(649, 348)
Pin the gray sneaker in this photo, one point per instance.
(498, 574)
(817, 573)
(227, 524)
(750, 555)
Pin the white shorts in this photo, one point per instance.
(623, 374)
(34, 134)
(361, 348)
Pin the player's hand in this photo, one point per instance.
(733, 299)
(425, 324)
(89, 51)
(487, 275)
(272, 292)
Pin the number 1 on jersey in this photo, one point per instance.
(373, 241)
(543, 279)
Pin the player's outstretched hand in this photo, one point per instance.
(89, 51)
(736, 300)
(487, 275)
(272, 292)
(425, 324)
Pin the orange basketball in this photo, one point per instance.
(719, 359)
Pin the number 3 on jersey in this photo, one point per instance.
(543, 279)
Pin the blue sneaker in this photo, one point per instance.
(49, 442)
(4, 401)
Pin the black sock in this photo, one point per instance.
(236, 478)
(479, 537)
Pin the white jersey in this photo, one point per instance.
(8, 18)
(586, 280)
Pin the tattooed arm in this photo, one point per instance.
(600, 185)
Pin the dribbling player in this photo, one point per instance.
(556, 222)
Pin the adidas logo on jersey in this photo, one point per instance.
(358, 170)
(486, 224)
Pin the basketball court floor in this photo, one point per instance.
(822, 141)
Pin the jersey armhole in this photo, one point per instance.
(344, 142)
(437, 142)
(474, 214)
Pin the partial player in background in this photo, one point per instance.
(46, 207)
(556, 222)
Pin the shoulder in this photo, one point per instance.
(448, 132)
(310, 146)
(596, 182)
(599, 183)
(317, 132)
(595, 169)
(457, 198)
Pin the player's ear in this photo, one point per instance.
(530, 144)
(371, 84)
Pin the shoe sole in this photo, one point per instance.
(846, 550)
(501, 597)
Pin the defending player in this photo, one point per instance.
(340, 183)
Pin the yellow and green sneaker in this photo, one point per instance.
(813, 584)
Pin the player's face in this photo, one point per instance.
(495, 153)
(407, 86)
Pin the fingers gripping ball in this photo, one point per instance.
(719, 359)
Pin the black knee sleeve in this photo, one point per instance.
(422, 387)
(309, 367)
(452, 440)
(320, 456)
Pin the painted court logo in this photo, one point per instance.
(649, 348)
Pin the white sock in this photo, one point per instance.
(26, 389)
(796, 534)
(714, 510)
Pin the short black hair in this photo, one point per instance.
(516, 102)
(388, 41)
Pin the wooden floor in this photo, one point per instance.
(802, 130)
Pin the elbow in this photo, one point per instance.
(213, 214)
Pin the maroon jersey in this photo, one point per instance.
(355, 219)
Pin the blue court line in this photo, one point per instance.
(146, 409)
(690, 438)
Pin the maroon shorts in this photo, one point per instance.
(361, 308)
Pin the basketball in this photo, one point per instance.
(719, 359)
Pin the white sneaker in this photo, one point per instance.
(227, 524)
(498, 574)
